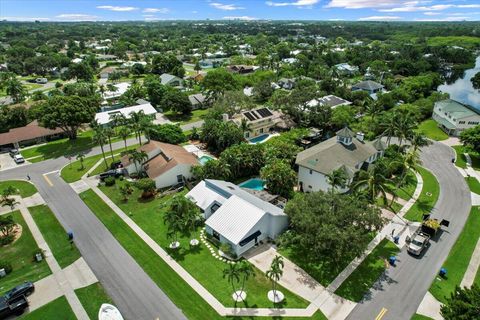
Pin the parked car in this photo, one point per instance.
(12, 307)
(24, 289)
(116, 165)
(41, 80)
(13, 152)
(111, 173)
(418, 243)
(421, 238)
(18, 158)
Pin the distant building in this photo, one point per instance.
(346, 69)
(329, 101)
(30, 134)
(454, 117)
(346, 151)
(369, 86)
(198, 101)
(120, 88)
(104, 118)
(171, 80)
(286, 83)
(259, 121)
(242, 69)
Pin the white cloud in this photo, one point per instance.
(24, 19)
(117, 8)
(298, 3)
(380, 18)
(76, 17)
(456, 18)
(360, 4)
(430, 13)
(226, 7)
(156, 10)
(245, 18)
(468, 6)
(413, 6)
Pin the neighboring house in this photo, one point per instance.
(77, 60)
(259, 121)
(290, 60)
(104, 118)
(106, 72)
(198, 101)
(171, 80)
(346, 69)
(369, 86)
(329, 101)
(346, 151)
(197, 77)
(167, 164)
(235, 216)
(32, 133)
(121, 88)
(129, 64)
(287, 84)
(104, 57)
(241, 69)
(453, 117)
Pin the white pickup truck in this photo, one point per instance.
(418, 242)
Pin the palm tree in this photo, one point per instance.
(100, 139)
(405, 126)
(246, 271)
(411, 160)
(15, 89)
(81, 157)
(136, 124)
(275, 273)
(137, 157)
(232, 273)
(418, 140)
(389, 127)
(174, 226)
(124, 133)
(102, 90)
(373, 110)
(109, 133)
(245, 126)
(126, 190)
(374, 182)
(338, 178)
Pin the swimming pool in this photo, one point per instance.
(204, 159)
(254, 184)
(261, 138)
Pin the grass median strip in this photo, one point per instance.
(55, 236)
(192, 305)
(458, 258)
(92, 297)
(367, 273)
(23, 188)
(58, 309)
(473, 184)
(428, 197)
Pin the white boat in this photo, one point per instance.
(109, 312)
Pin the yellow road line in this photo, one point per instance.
(48, 180)
(381, 314)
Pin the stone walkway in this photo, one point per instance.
(192, 282)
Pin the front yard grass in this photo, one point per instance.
(58, 309)
(461, 159)
(367, 273)
(55, 236)
(20, 254)
(150, 218)
(427, 199)
(180, 118)
(473, 184)
(458, 258)
(408, 187)
(24, 189)
(431, 130)
(92, 297)
(417, 316)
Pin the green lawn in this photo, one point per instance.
(477, 278)
(461, 159)
(367, 273)
(194, 116)
(101, 168)
(24, 189)
(192, 305)
(55, 235)
(420, 317)
(150, 218)
(473, 184)
(61, 147)
(431, 130)
(458, 258)
(20, 255)
(408, 187)
(427, 199)
(92, 298)
(58, 309)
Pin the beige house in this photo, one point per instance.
(453, 117)
(167, 164)
(259, 121)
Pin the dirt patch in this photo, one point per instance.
(17, 233)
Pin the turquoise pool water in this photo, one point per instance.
(254, 184)
(204, 159)
(259, 139)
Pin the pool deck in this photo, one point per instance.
(196, 151)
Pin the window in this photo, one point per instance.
(311, 171)
(214, 207)
(310, 187)
(216, 235)
(461, 122)
(261, 130)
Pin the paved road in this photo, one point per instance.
(403, 287)
(135, 294)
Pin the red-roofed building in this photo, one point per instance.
(32, 133)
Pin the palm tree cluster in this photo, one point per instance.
(274, 274)
(236, 273)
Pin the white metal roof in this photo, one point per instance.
(122, 87)
(203, 196)
(235, 218)
(105, 117)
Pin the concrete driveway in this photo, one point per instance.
(6, 162)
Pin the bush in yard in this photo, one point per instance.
(168, 133)
(7, 227)
(147, 186)
(7, 266)
(109, 181)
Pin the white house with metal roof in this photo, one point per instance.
(235, 216)
(453, 117)
(346, 151)
(104, 118)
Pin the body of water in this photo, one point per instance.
(462, 90)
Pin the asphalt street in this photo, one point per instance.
(403, 287)
(133, 292)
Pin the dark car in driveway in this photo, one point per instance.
(24, 289)
(12, 307)
(111, 173)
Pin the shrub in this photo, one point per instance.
(109, 181)
(6, 265)
(4, 240)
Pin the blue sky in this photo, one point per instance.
(151, 10)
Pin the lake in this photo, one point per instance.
(462, 90)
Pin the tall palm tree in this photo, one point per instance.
(136, 124)
(374, 182)
(174, 226)
(232, 273)
(418, 140)
(109, 133)
(124, 133)
(137, 157)
(246, 271)
(245, 126)
(388, 125)
(411, 160)
(275, 273)
(338, 178)
(100, 138)
(405, 126)
(15, 89)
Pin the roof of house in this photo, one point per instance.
(166, 78)
(256, 115)
(169, 156)
(368, 85)
(106, 116)
(331, 155)
(456, 109)
(121, 88)
(198, 98)
(329, 101)
(29, 132)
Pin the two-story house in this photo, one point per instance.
(258, 121)
(453, 117)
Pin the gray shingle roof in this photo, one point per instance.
(368, 85)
